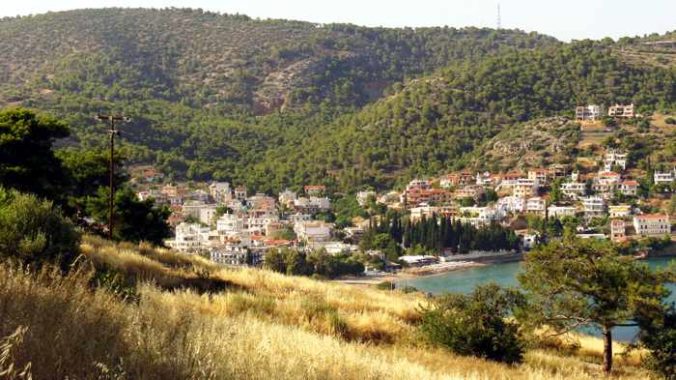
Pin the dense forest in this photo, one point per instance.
(275, 103)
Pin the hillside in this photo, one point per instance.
(157, 314)
(534, 144)
(227, 62)
(432, 124)
(276, 103)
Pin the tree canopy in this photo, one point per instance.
(574, 283)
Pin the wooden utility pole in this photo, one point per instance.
(111, 194)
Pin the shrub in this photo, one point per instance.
(476, 324)
(33, 231)
(670, 121)
(385, 285)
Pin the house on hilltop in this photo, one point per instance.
(588, 112)
(622, 111)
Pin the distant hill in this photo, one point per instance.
(228, 62)
(279, 103)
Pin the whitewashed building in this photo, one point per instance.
(593, 206)
(652, 224)
(535, 205)
(220, 192)
(554, 211)
(573, 190)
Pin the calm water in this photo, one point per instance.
(464, 281)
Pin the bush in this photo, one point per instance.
(670, 121)
(476, 324)
(33, 231)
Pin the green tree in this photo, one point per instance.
(477, 323)
(87, 171)
(296, 263)
(134, 220)
(27, 162)
(274, 260)
(573, 283)
(658, 335)
(33, 231)
(555, 195)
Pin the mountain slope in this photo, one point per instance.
(433, 122)
(360, 105)
(228, 62)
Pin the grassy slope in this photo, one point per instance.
(264, 325)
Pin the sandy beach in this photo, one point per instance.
(431, 270)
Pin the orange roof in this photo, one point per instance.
(630, 183)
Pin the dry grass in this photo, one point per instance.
(264, 325)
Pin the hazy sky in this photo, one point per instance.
(564, 19)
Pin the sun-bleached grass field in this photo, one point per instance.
(188, 318)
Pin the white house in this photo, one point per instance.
(338, 247)
(207, 214)
(419, 184)
(512, 204)
(287, 197)
(573, 190)
(363, 197)
(423, 211)
(220, 192)
(230, 254)
(665, 177)
(554, 211)
(535, 205)
(189, 238)
(313, 231)
(619, 211)
(614, 157)
(525, 187)
(588, 112)
(593, 206)
(629, 187)
(230, 224)
(652, 224)
(479, 216)
(417, 260)
(541, 176)
(621, 110)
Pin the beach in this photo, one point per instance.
(452, 263)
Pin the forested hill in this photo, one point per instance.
(283, 103)
(432, 123)
(228, 62)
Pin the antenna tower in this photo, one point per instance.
(499, 21)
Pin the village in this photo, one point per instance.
(232, 227)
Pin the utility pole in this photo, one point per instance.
(111, 193)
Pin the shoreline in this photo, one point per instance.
(431, 270)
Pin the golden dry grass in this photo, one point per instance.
(262, 326)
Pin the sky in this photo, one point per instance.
(563, 19)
